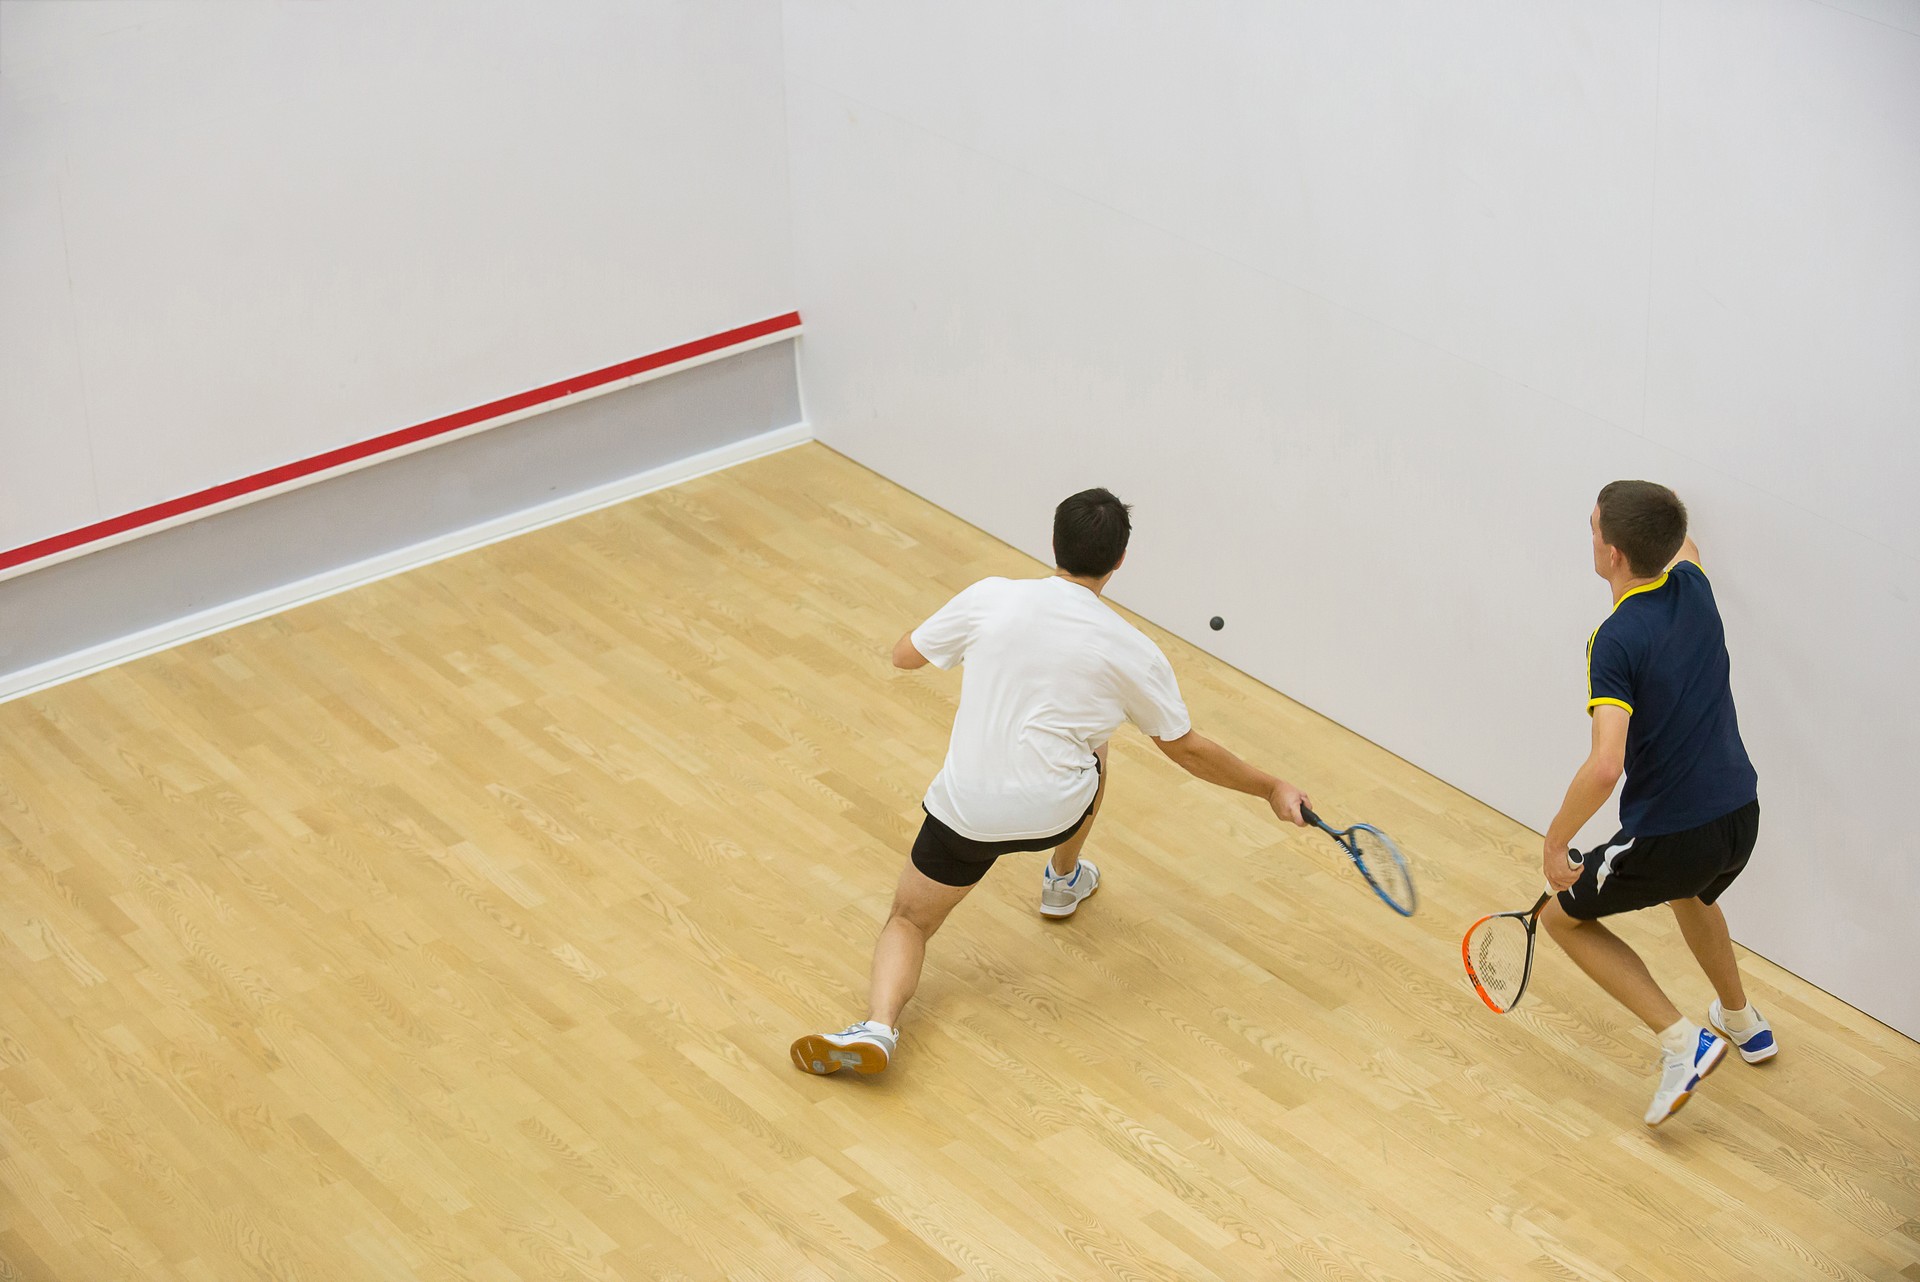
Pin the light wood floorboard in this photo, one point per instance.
(456, 928)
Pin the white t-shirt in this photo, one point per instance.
(1051, 672)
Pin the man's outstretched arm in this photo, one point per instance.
(1204, 759)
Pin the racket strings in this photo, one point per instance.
(1499, 953)
(1385, 866)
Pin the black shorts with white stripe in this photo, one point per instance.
(1630, 873)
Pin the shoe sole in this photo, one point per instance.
(815, 1054)
(1072, 908)
(1705, 1073)
(1724, 1035)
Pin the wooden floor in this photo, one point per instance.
(456, 927)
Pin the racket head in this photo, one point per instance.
(1384, 867)
(1498, 952)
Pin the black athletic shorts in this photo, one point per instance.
(956, 860)
(1629, 873)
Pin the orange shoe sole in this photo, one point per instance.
(815, 1054)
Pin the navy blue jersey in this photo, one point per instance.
(1662, 655)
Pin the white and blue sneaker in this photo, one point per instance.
(1061, 896)
(1755, 1044)
(1681, 1073)
(865, 1047)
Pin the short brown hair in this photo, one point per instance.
(1090, 531)
(1646, 522)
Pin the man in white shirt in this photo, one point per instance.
(1051, 672)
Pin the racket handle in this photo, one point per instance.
(1306, 813)
(1574, 859)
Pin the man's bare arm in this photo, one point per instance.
(905, 656)
(1592, 784)
(1206, 760)
(1687, 552)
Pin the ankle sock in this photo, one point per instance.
(1743, 1020)
(1681, 1037)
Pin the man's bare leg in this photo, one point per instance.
(1705, 929)
(920, 905)
(1612, 964)
(1067, 854)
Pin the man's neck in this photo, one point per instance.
(1627, 583)
(1095, 586)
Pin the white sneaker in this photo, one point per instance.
(865, 1047)
(1681, 1074)
(1061, 896)
(1754, 1045)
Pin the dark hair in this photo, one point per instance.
(1090, 532)
(1647, 522)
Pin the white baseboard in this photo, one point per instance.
(233, 613)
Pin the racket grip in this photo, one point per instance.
(1306, 813)
(1575, 858)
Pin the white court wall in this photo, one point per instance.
(1360, 304)
(237, 235)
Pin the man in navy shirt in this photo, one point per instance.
(1662, 709)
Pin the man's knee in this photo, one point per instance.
(914, 906)
(913, 915)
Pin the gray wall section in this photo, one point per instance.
(118, 591)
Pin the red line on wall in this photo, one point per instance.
(58, 543)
